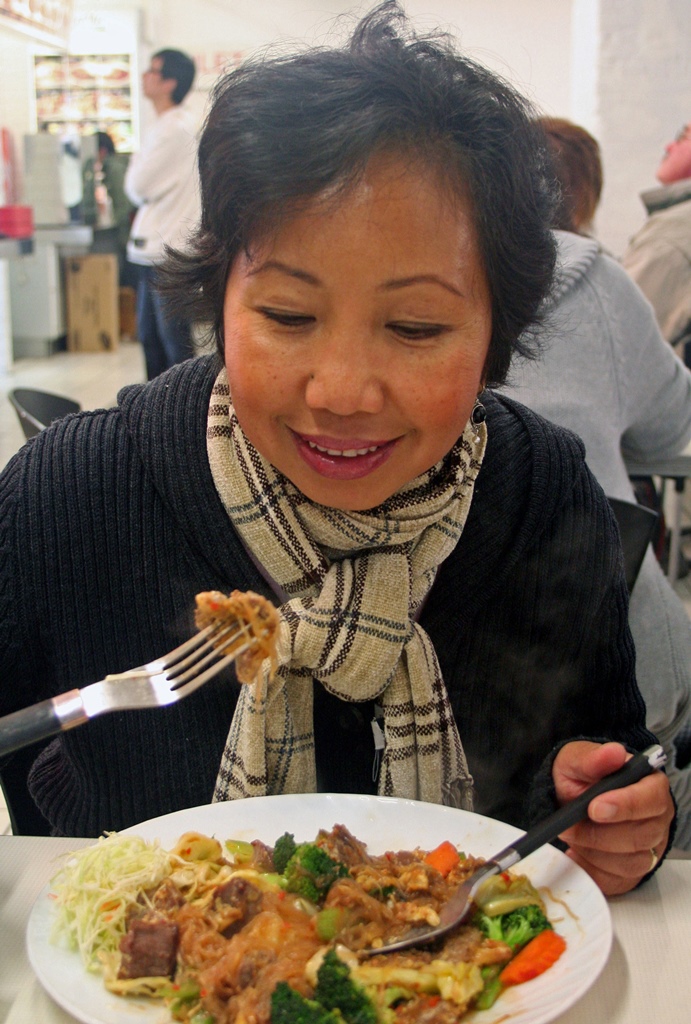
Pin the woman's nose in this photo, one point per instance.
(344, 378)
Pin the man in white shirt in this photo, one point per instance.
(659, 255)
(161, 180)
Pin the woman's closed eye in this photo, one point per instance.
(417, 331)
(285, 318)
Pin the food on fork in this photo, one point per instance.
(246, 618)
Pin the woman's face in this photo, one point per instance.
(355, 339)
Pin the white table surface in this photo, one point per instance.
(646, 980)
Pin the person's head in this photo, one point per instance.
(170, 75)
(384, 205)
(577, 167)
(676, 163)
(106, 146)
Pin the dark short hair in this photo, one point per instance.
(104, 141)
(577, 167)
(176, 64)
(283, 129)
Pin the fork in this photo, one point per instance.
(460, 905)
(154, 685)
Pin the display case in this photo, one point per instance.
(81, 94)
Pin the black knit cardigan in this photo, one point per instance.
(110, 524)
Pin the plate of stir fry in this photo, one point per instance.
(258, 912)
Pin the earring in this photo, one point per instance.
(478, 416)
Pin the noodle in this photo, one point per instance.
(254, 624)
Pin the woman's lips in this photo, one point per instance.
(343, 458)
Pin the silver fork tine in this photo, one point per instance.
(209, 652)
(189, 653)
(185, 657)
(182, 687)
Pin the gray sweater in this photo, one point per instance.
(607, 374)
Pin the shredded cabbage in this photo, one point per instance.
(96, 886)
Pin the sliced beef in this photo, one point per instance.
(149, 948)
(344, 847)
(263, 859)
(244, 897)
(167, 898)
(252, 964)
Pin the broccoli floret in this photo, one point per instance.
(284, 849)
(289, 1007)
(515, 928)
(489, 926)
(522, 925)
(337, 990)
(310, 872)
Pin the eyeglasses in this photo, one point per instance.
(684, 134)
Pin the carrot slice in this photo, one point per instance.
(444, 857)
(540, 953)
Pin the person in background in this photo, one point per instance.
(606, 373)
(658, 256)
(373, 245)
(105, 204)
(161, 181)
(578, 167)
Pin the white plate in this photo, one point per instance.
(574, 903)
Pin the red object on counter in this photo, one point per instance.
(17, 221)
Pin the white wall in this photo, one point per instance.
(644, 98)
(619, 67)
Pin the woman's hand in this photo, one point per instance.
(624, 827)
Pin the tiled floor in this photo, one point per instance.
(94, 380)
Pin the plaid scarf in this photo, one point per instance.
(354, 581)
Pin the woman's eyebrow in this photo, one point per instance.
(285, 268)
(404, 282)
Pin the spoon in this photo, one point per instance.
(459, 906)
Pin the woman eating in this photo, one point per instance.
(374, 242)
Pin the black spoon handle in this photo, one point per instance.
(638, 766)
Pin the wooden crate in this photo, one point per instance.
(93, 312)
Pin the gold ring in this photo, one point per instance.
(653, 860)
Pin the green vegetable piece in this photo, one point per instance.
(284, 848)
(490, 926)
(241, 851)
(271, 878)
(382, 894)
(289, 1007)
(337, 990)
(328, 923)
(202, 1017)
(501, 894)
(310, 872)
(396, 994)
(515, 928)
(492, 987)
(183, 994)
(187, 991)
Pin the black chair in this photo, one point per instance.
(38, 409)
(636, 527)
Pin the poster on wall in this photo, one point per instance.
(48, 21)
(79, 94)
